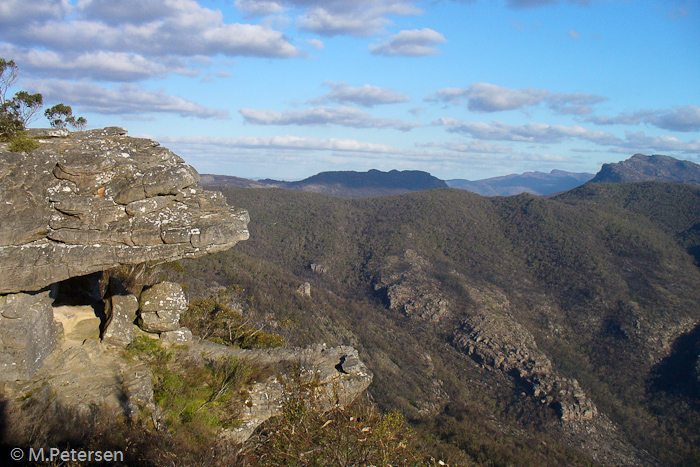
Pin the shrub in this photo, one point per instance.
(20, 142)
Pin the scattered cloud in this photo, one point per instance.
(360, 18)
(343, 116)
(366, 96)
(259, 7)
(283, 142)
(316, 44)
(97, 65)
(410, 43)
(678, 13)
(531, 132)
(682, 118)
(485, 97)
(542, 133)
(522, 4)
(151, 31)
(476, 147)
(639, 141)
(126, 99)
(13, 12)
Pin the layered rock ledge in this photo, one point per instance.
(96, 199)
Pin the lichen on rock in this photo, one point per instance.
(98, 199)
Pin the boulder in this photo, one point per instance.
(28, 333)
(120, 309)
(160, 307)
(93, 200)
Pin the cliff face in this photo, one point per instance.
(100, 199)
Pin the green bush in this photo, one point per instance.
(210, 319)
(20, 142)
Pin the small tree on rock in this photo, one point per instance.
(17, 112)
(61, 115)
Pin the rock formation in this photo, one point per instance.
(409, 289)
(331, 376)
(499, 342)
(99, 199)
(87, 202)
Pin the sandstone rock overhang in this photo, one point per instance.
(96, 199)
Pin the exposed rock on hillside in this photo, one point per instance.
(641, 168)
(502, 343)
(409, 289)
(98, 199)
(328, 377)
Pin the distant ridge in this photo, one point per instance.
(344, 184)
(641, 168)
(536, 183)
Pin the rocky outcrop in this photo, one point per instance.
(327, 377)
(98, 199)
(86, 202)
(410, 290)
(161, 306)
(500, 342)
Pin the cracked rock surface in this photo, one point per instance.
(97, 199)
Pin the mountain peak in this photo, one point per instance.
(643, 168)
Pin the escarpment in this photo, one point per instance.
(75, 212)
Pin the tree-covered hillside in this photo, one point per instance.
(476, 314)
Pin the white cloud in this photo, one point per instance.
(126, 99)
(360, 18)
(486, 97)
(343, 116)
(13, 12)
(531, 132)
(521, 4)
(410, 43)
(366, 96)
(683, 118)
(259, 7)
(154, 29)
(98, 65)
(316, 44)
(639, 141)
(542, 133)
(283, 142)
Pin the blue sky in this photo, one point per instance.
(288, 88)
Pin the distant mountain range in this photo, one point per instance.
(343, 184)
(349, 184)
(536, 183)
